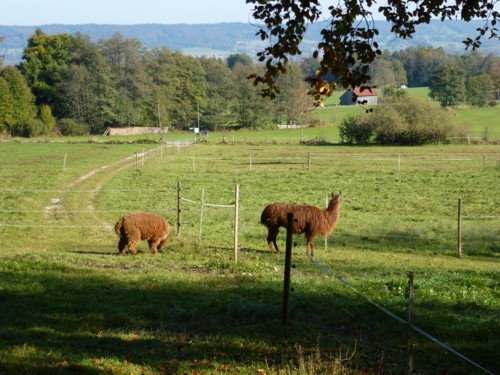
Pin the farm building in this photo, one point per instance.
(368, 95)
(136, 130)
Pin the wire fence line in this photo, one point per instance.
(250, 215)
(397, 318)
(243, 208)
(399, 162)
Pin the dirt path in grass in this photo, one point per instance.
(87, 187)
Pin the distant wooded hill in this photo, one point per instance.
(222, 39)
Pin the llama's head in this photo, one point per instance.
(335, 201)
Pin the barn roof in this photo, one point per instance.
(366, 92)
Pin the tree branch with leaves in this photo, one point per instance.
(348, 44)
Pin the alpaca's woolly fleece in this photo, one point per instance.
(137, 226)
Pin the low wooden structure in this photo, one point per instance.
(136, 130)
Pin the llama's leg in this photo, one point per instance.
(121, 245)
(310, 245)
(271, 238)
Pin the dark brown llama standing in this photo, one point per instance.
(306, 219)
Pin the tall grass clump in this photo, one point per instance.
(405, 121)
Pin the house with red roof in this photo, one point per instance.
(366, 96)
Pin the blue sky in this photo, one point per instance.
(41, 12)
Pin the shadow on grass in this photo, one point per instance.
(69, 322)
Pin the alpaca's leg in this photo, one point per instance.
(121, 245)
(162, 243)
(132, 245)
(153, 245)
(271, 238)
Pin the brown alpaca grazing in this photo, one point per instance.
(306, 219)
(137, 226)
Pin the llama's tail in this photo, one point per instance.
(118, 226)
(265, 216)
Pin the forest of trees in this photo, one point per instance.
(83, 86)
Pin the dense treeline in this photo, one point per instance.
(89, 86)
(86, 86)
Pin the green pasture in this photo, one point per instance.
(71, 304)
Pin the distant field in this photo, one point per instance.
(479, 121)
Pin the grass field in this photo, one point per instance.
(71, 304)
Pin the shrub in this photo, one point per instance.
(71, 127)
(412, 121)
(356, 130)
(30, 128)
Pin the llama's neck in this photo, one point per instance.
(331, 215)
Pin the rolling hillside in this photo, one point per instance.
(224, 38)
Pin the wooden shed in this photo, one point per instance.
(369, 96)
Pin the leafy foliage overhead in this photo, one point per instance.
(349, 43)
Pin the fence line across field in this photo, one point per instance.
(335, 157)
(308, 160)
(55, 226)
(397, 318)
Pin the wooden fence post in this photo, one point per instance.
(326, 237)
(236, 219)
(288, 266)
(459, 229)
(201, 213)
(179, 200)
(410, 323)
